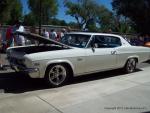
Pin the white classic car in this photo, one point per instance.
(78, 53)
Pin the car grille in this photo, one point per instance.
(19, 62)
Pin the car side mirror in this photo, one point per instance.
(93, 47)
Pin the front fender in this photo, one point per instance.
(60, 61)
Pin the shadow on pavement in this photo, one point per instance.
(100, 75)
(19, 83)
(12, 82)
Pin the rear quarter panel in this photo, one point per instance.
(124, 53)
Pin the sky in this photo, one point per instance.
(61, 11)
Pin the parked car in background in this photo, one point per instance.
(78, 53)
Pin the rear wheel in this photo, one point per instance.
(56, 75)
(130, 65)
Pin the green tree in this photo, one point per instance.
(55, 21)
(83, 11)
(30, 20)
(4, 6)
(16, 11)
(122, 24)
(104, 19)
(10, 11)
(91, 25)
(48, 8)
(137, 11)
(73, 25)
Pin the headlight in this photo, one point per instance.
(28, 62)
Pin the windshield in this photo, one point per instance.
(76, 40)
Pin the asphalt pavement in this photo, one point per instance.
(105, 92)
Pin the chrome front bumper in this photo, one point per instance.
(33, 72)
(17, 67)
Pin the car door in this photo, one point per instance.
(103, 54)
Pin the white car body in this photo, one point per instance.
(81, 60)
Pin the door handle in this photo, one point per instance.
(113, 52)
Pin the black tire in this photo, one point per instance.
(56, 75)
(130, 65)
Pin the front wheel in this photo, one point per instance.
(130, 65)
(56, 75)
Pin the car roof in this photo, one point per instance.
(124, 41)
(93, 33)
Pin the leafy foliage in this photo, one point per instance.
(122, 24)
(48, 8)
(30, 19)
(56, 21)
(10, 11)
(83, 11)
(104, 18)
(137, 11)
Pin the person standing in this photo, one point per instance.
(20, 40)
(2, 41)
(61, 34)
(53, 34)
(9, 37)
(1, 65)
(45, 34)
(0, 36)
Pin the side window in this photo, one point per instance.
(113, 41)
(100, 41)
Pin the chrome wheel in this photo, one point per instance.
(57, 75)
(130, 65)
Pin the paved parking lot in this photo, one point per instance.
(106, 92)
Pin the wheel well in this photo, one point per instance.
(136, 59)
(62, 63)
(133, 58)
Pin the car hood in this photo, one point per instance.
(40, 39)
